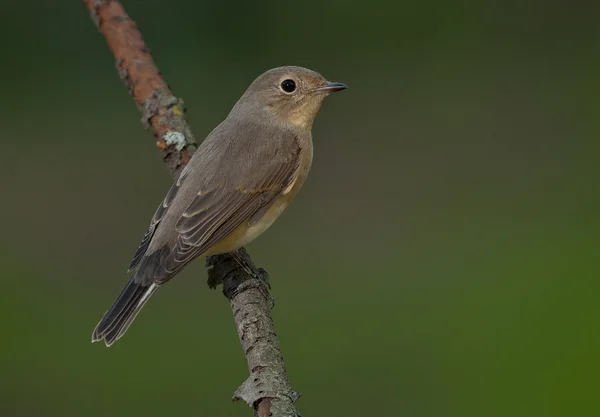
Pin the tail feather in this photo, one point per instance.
(127, 319)
(119, 317)
(111, 334)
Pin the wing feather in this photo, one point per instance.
(158, 216)
(214, 215)
(234, 177)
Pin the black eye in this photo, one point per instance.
(288, 86)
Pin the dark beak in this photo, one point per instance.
(331, 87)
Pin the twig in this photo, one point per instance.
(267, 389)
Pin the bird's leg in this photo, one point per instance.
(259, 274)
(263, 276)
(245, 266)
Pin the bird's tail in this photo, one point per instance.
(117, 320)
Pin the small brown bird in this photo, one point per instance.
(237, 183)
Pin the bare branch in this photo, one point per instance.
(267, 389)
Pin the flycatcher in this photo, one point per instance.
(240, 179)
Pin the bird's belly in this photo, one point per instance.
(258, 228)
(246, 233)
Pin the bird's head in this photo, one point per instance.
(288, 95)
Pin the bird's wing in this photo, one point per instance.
(156, 219)
(247, 183)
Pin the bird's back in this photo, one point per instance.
(231, 156)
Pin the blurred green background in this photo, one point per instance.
(442, 259)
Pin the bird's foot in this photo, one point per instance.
(263, 278)
(260, 278)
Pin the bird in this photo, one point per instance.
(237, 183)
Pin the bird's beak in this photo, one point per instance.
(330, 87)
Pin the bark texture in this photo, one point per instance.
(267, 389)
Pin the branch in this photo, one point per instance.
(267, 389)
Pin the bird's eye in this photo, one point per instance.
(288, 86)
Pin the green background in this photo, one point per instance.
(441, 260)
